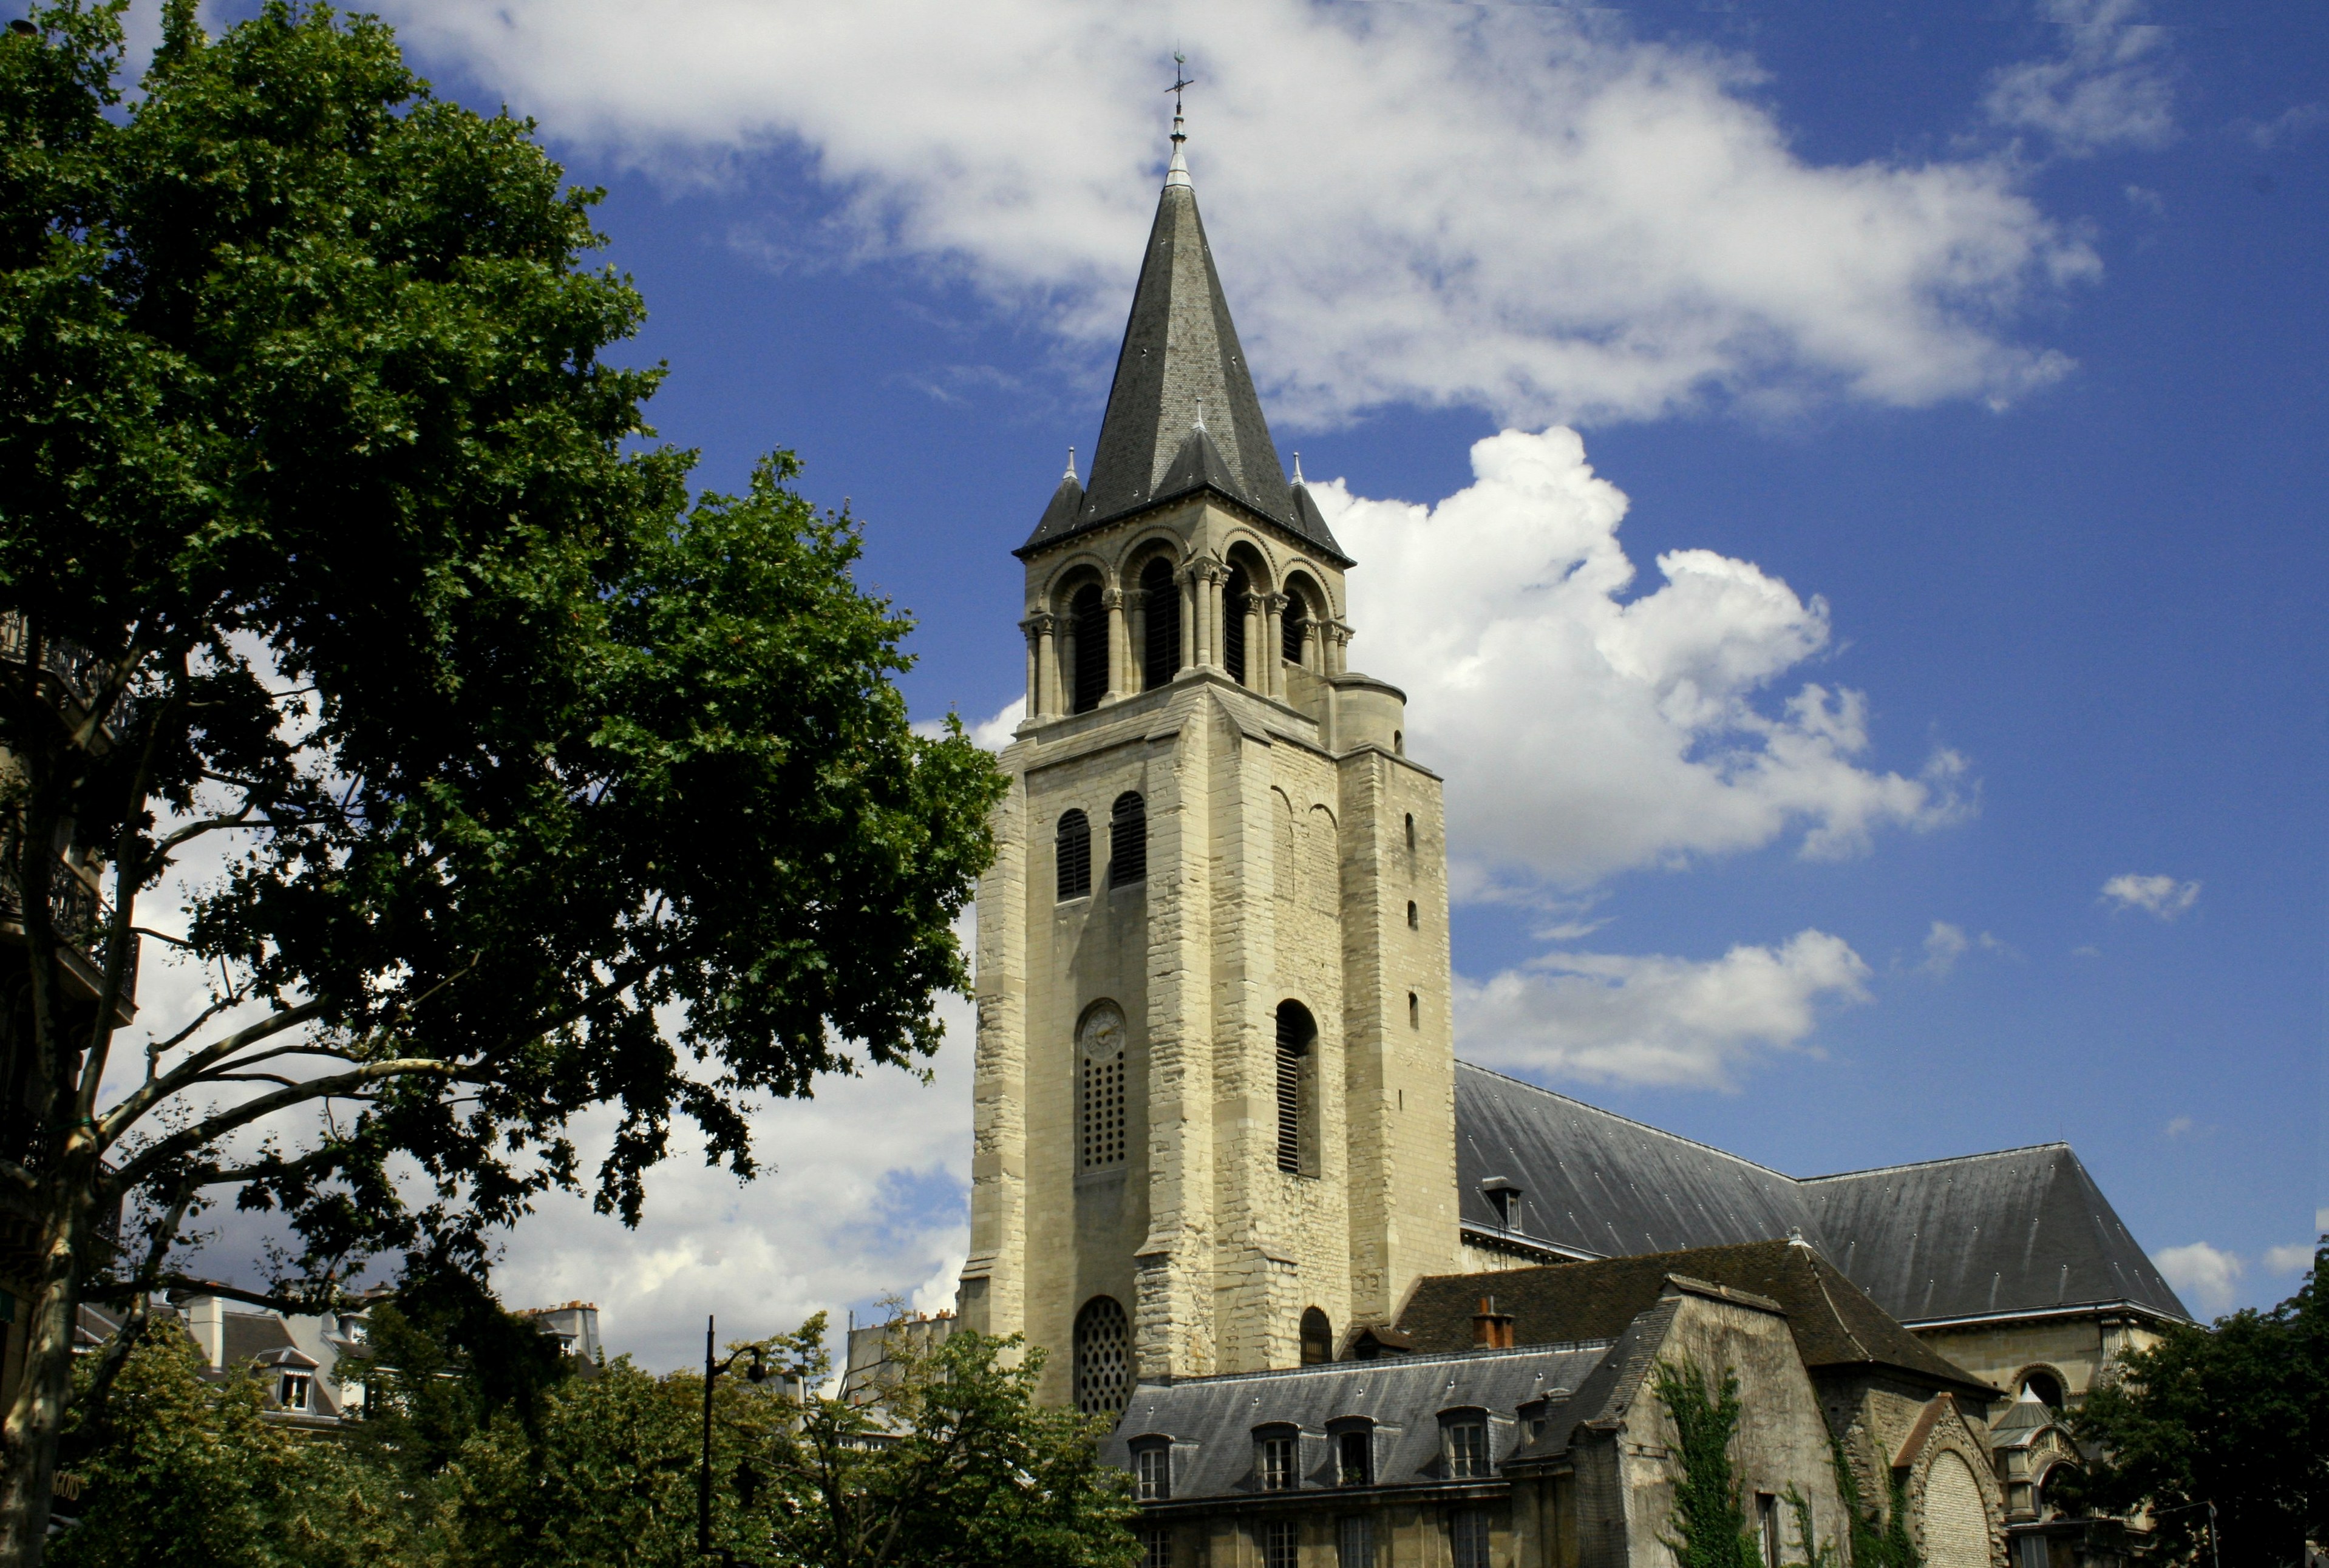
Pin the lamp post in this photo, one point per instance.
(713, 1368)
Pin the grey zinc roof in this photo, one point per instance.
(1212, 1420)
(1180, 358)
(2019, 1230)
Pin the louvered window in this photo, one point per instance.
(1074, 855)
(1090, 631)
(1233, 598)
(1296, 616)
(1127, 840)
(1296, 1034)
(1103, 1356)
(1099, 1088)
(1161, 607)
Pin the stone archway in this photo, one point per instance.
(1956, 1524)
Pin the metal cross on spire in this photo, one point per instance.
(1178, 173)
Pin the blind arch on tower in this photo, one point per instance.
(1127, 840)
(1103, 1352)
(1071, 849)
(1297, 1089)
(1099, 1088)
(1160, 604)
(1088, 624)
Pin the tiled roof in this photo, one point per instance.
(2017, 1231)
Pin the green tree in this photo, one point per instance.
(1709, 1527)
(960, 1467)
(188, 1475)
(331, 541)
(2236, 1415)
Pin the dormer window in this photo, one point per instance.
(1355, 1457)
(1464, 1445)
(1152, 1470)
(291, 1391)
(1277, 1464)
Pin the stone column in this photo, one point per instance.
(1034, 669)
(1312, 651)
(1135, 640)
(1047, 665)
(1113, 598)
(1216, 594)
(1186, 577)
(1338, 646)
(1273, 635)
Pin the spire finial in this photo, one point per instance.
(1071, 463)
(1178, 173)
(1200, 416)
(1298, 468)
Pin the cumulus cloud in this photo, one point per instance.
(2108, 87)
(1946, 943)
(2163, 897)
(2293, 1259)
(1527, 209)
(1608, 1018)
(2203, 1275)
(1582, 732)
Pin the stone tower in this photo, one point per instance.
(1216, 1104)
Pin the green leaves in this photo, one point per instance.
(2231, 1416)
(1709, 1525)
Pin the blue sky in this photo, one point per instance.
(1967, 359)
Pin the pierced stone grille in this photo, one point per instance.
(1099, 1088)
(1103, 1358)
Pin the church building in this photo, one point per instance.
(1220, 1126)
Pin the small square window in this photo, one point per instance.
(1156, 1547)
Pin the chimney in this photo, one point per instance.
(1491, 1329)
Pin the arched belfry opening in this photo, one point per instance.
(1087, 624)
(1103, 1373)
(1297, 1089)
(1234, 595)
(1160, 604)
(1317, 1338)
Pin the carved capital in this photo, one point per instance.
(1040, 624)
(1275, 603)
(1113, 598)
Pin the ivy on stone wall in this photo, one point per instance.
(1878, 1541)
(1709, 1528)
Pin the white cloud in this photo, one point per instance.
(2293, 1259)
(1582, 733)
(2163, 897)
(992, 734)
(2287, 126)
(2203, 1275)
(1527, 209)
(2108, 87)
(2177, 1126)
(1654, 1019)
(1946, 943)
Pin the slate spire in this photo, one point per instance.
(1181, 354)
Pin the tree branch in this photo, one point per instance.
(133, 1328)
(187, 1140)
(146, 1095)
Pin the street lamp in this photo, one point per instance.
(757, 1372)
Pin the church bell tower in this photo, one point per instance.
(1214, 1091)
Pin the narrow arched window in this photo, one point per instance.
(1074, 855)
(1296, 617)
(1127, 840)
(1090, 616)
(1411, 833)
(1297, 1032)
(1414, 919)
(1100, 1087)
(1161, 607)
(1317, 1338)
(1233, 598)
(1414, 1011)
(1103, 1371)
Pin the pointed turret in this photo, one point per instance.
(1183, 414)
(1059, 517)
(1308, 521)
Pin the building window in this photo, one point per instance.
(1465, 1439)
(1414, 922)
(1156, 1547)
(1151, 1472)
(1355, 1540)
(1127, 840)
(1468, 1538)
(1317, 1338)
(1074, 855)
(1276, 1467)
(1281, 1544)
(1160, 608)
(1766, 1528)
(1291, 623)
(1100, 1087)
(1088, 624)
(2044, 1387)
(1103, 1356)
(1354, 1458)
(1411, 833)
(1297, 1078)
(2030, 1552)
(1414, 1011)
(1234, 595)
(1399, 743)
(292, 1392)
